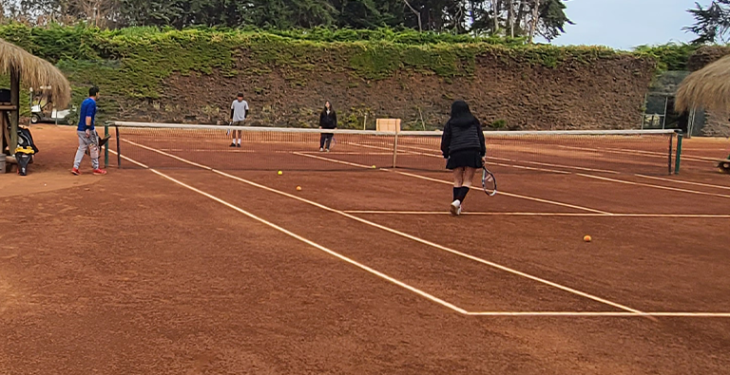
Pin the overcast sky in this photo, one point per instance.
(645, 22)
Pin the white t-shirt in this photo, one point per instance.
(239, 110)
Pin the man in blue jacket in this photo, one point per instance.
(87, 134)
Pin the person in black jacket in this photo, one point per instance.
(327, 120)
(462, 145)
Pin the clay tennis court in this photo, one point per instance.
(193, 268)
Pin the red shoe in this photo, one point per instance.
(75, 171)
(99, 172)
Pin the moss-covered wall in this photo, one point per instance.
(146, 74)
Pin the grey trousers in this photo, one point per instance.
(84, 144)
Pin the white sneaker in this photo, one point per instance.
(455, 208)
(328, 150)
(321, 149)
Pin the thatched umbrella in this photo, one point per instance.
(707, 88)
(34, 72)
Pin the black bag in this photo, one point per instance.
(23, 161)
(4, 96)
(25, 141)
(25, 151)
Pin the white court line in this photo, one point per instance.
(628, 311)
(579, 314)
(235, 151)
(685, 182)
(629, 182)
(624, 152)
(403, 153)
(725, 150)
(348, 153)
(653, 186)
(337, 161)
(559, 166)
(567, 214)
(528, 168)
(420, 240)
(643, 152)
(307, 241)
(449, 183)
(601, 178)
(232, 150)
(510, 194)
(530, 162)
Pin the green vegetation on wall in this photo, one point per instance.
(134, 61)
(672, 57)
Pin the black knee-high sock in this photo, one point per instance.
(457, 193)
(462, 193)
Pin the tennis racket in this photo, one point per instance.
(93, 149)
(489, 183)
(228, 132)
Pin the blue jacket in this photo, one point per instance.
(88, 109)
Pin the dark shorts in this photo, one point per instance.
(464, 158)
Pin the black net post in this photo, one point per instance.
(119, 151)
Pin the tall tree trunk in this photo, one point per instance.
(534, 20)
(521, 16)
(417, 13)
(495, 15)
(510, 18)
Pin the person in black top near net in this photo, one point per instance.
(462, 145)
(327, 120)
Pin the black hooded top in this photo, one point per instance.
(328, 120)
(462, 132)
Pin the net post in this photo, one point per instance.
(119, 151)
(106, 146)
(678, 158)
(395, 149)
(671, 143)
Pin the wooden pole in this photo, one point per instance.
(4, 137)
(15, 113)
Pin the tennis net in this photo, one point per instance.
(183, 146)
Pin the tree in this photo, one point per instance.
(711, 23)
(514, 18)
(364, 14)
(552, 19)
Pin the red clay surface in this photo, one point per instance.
(133, 273)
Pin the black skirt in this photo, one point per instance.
(464, 158)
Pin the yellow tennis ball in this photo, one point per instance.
(587, 239)
(374, 166)
(280, 173)
(299, 188)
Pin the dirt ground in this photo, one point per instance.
(191, 271)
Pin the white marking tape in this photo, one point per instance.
(473, 187)
(420, 240)
(305, 240)
(628, 312)
(684, 182)
(579, 314)
(567, 214)
(652, 186)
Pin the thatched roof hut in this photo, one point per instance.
(34, 72)
(707, 88)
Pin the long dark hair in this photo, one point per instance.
(460, 112)
(324, 109)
